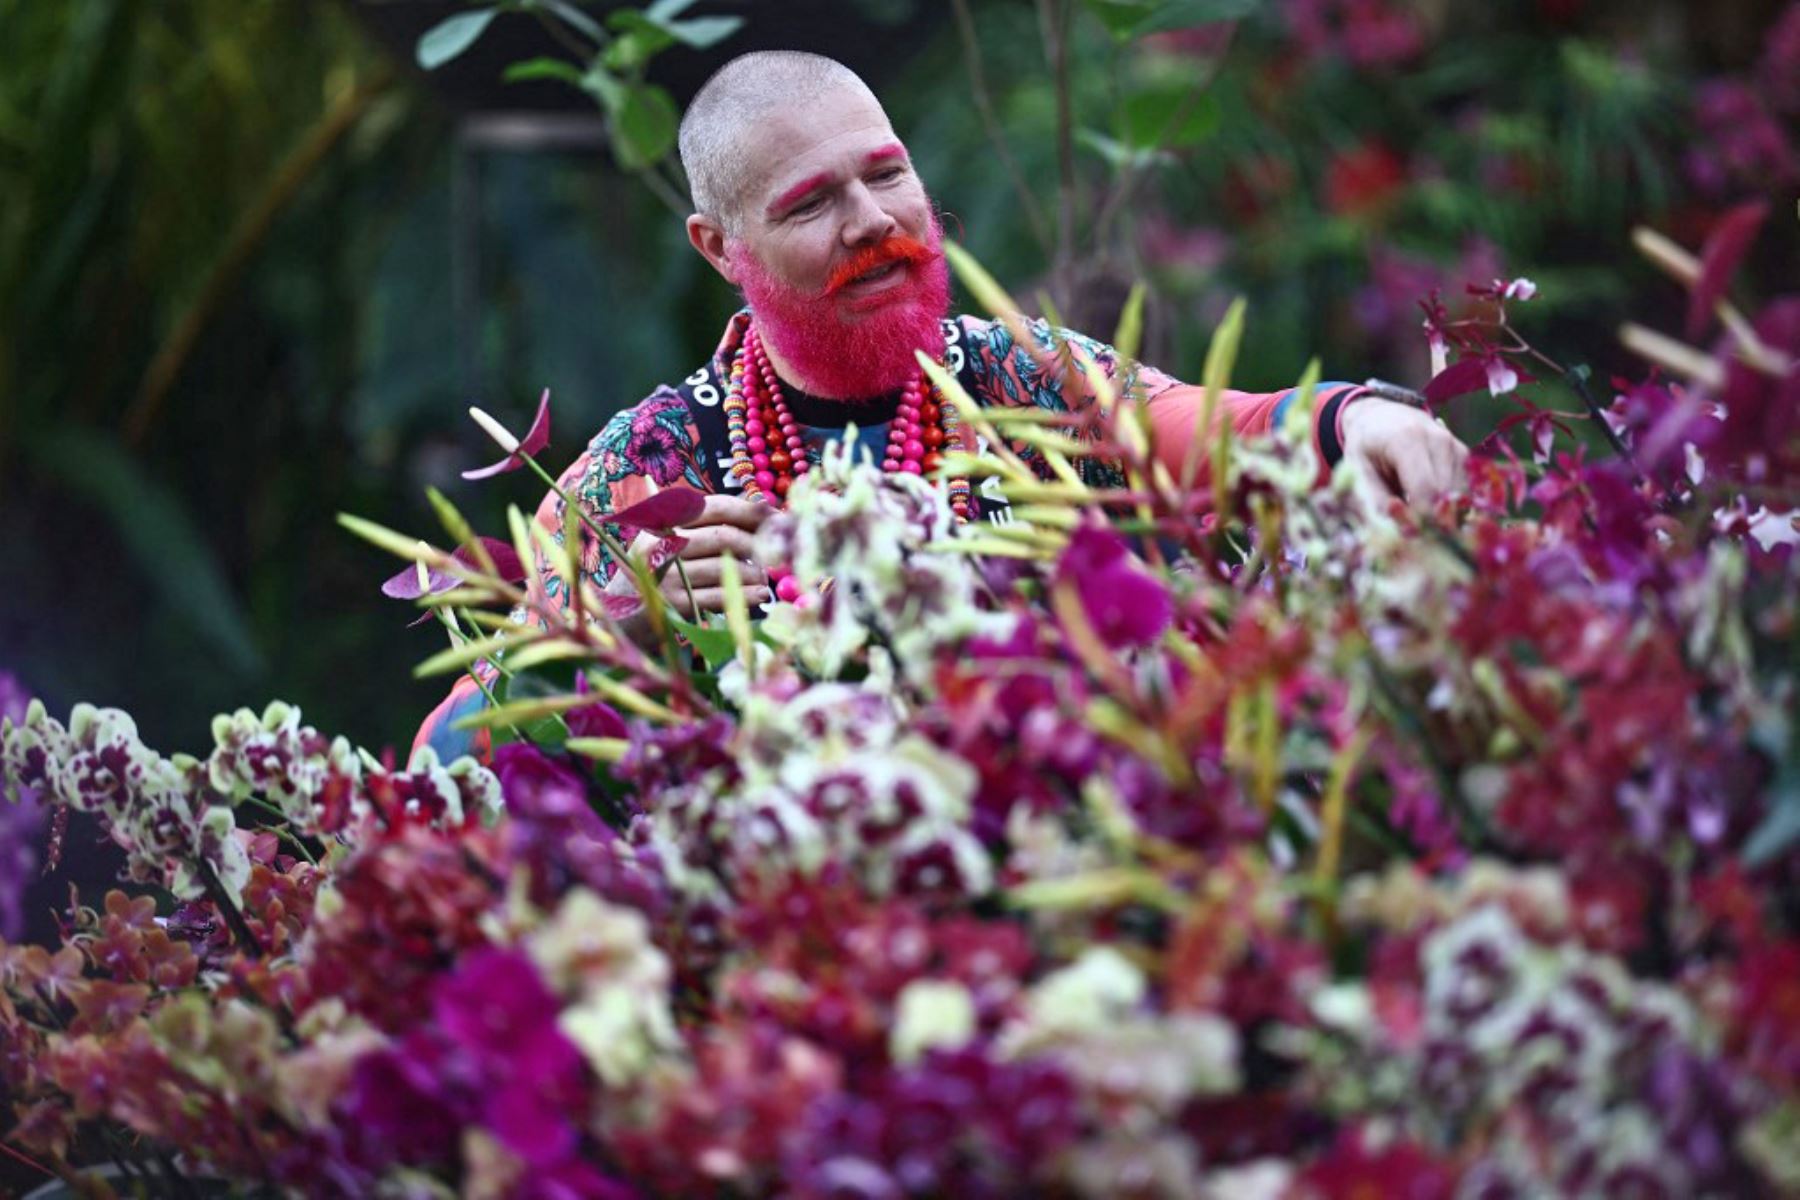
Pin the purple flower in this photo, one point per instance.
(501, 1017)
(536, 785)
(595, 720)
(1778, 70)
(396, 1103)
(1125, 604)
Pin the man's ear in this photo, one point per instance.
(708, 237)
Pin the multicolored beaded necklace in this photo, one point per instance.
(768, 451)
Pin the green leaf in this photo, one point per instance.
(607, 89)
(543, 68)
(714, 642)
(451, 36)
(580, 20)
(1128, 19)
(1118, 154)
(1166, 117)
(643, 129)
(1121, 17)
(1130, 333)
(703, 33)
(160, 535)
(700, 33)
(1186, 14)
(639, 40)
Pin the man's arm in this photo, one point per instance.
(1398, 450)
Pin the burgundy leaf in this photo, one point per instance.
(533, 443)
(666, 550)
(663, 511)
(1719, 259)
(1458, 379)
(620, 607)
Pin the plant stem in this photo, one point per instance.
(234, 920)
(1052, 18)
(990, 122)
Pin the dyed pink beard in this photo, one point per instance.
(850, 360)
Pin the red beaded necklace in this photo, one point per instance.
(768, 451)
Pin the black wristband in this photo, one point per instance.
(1327, 421)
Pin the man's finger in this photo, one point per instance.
(712, 599)
(710, 572)
(714, 540)
(732, 510)
(1421, 480)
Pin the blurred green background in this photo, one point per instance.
(254, 262)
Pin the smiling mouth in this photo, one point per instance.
(878, 274)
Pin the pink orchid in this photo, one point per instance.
(516, 450)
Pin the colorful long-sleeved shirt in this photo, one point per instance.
(676, 436)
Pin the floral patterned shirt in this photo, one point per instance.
(676, 436)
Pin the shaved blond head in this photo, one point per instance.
(739, 94)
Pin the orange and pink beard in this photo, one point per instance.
(872, 352)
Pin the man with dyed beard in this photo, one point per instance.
(806, 201)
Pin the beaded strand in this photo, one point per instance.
(768, 451)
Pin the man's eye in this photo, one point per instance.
(889, 175)
(806, 207)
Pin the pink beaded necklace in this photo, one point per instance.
(768, 451)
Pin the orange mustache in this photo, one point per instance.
(898, 248)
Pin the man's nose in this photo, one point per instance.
(868, 222)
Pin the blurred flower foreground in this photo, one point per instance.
(1230, 840)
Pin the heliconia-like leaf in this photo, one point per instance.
(1719, 259)
(1458, 379)
(662, 512)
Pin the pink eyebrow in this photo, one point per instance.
(798, 190)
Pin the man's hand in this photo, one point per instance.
(1400, 452)
(726, 526)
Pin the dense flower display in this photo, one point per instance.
(1265, 842)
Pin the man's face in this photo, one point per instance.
(828, 180)
(838, 250)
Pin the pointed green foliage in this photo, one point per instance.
(1166, 117)
(451, 36)
(712, 641)
(579, 20)
(643, 129)
(460, 531)
(982, 286)
(1129, 19)
(397, 544)
(1299, 418)
(543, 68)
(1221, 356)
(1129, 337)
(459, 658)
